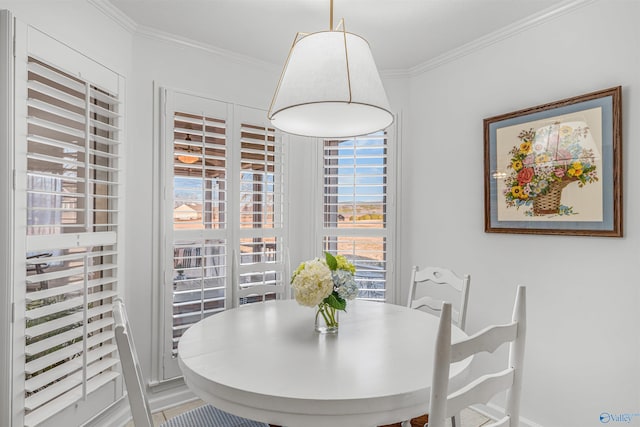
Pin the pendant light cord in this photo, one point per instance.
(331, 16)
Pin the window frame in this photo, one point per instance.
(7, 238)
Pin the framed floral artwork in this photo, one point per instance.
(556, 168)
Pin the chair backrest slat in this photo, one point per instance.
(479, 391)
(487, 340)
(433, 304)
(502, 422)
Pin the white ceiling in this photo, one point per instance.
(402, 33)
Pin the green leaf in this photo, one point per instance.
(332, 262)
(336, 302)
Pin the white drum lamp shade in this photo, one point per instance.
(330, 88)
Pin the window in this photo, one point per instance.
(224, 211)
(69, 182)
(356, 214)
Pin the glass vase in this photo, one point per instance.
(326, 319)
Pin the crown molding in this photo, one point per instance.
(499, 35)
(154, 34)
(134, 28)
(115, 14)
(394, 74)
(511, 30)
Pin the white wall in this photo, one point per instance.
(79, 25)
(583, 348)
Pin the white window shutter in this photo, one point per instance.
(356, 223)
(199, 212)
(262, 254)
(224, 173)
(71, 186)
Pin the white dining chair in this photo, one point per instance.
(203, 416)
(431, 286)
(444, 402)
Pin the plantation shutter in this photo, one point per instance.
(71, 182)
(261, 247)
(199, 213)
(355, 208)
(223, 215)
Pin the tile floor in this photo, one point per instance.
(469, 417)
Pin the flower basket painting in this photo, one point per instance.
(547, 160)
(555, 168)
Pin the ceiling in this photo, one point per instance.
(402, 33)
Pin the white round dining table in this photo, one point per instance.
(265, 361)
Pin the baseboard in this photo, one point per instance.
(170, 398)
(116, 414)
(494, 411)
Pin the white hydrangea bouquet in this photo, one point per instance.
(328, 284)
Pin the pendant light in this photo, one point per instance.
(330, 87)
(188, 158)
